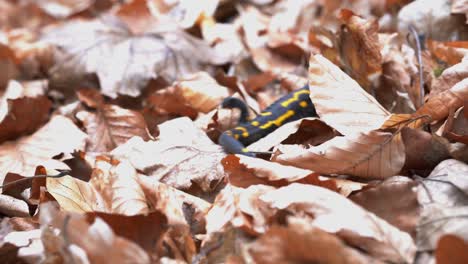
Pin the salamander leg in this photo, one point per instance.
(232, 145)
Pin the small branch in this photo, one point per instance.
(61, 174)
(414, 33)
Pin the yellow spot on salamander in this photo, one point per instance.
(236, 136)
(255, 123)
(245, 133)
(278, 121)
(245, 150)
(294, 98)
(265, 114)
(303, 104)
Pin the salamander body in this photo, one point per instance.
(290, 107)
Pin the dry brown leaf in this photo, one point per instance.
(302, 244)
(334, 213)
(111, 126)
(439, 106)
(456, 127)
(95, 242)
(124, 62)
(58, 136)
(112, 189)
(449, 52)
(395, 200)
(180, 156)
(340, 101)
(423, 150)
(446, 185)
(460, 7)
(9, 65)
(174, 203)
(451, 249)
(245, 171)
(23, 246)
(240, 208)
(307, 131)
(438, 220)
(23, 109)
(371, 155)
(199, 92)
(450, 77)
(359, 47)
(64, 8)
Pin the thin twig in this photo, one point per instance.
(61, 174)
(413, 31)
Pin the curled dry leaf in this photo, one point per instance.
(245, 171)
(340, 101)
(451, 52)
(456, 127)
(439, 106)
(303, 244)
(307, 131)
(240, 208)
(58, 136)
(334, 213)
(180, 156)
(366, 155)
(395, 200)
(199, 92)
(112, 189)
(450, 77)
(96, 241)
(174, 203)
(359, 47)
(111, 126)
(23, 109)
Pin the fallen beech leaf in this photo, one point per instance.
(359, 47)
(449, 52)
(450, 77)
(64, 8)
(199, 92)
(112, 189)
(25, 246)
(439, 105)
(180, 156)
(395, 200)
(447, 185)
(173, 203)
(22, 110)
(96, 240)
(302, 244)
(240, 208)
(460, 7)
(60, 135)
(124, 62)
(451, 249)
(432, 18)
(8, 64)
(307, 131)
(423, 150)
(371, 155)
(245, 171)
(360, 228)
(111, 126)
(11, 206)
(438, 220)
(223, 38)
(340, 101)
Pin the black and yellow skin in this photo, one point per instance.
(290, 107)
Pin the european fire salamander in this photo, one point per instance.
(290, 107)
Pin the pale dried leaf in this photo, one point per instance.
(112, 126)
(181, 155)
(450, 77)
(340, 101)
(371, 155)
(64, 8)
(336, 214)
(60, 135)
(439, 106)
(97, 239)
